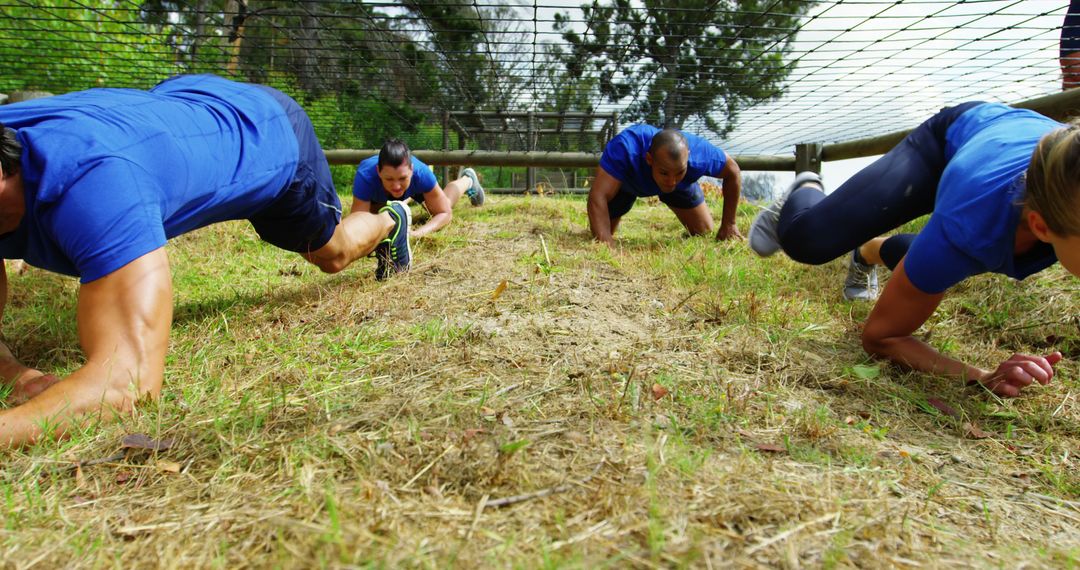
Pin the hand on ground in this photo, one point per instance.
(1019, 372)
(728, 231)
(30, 385)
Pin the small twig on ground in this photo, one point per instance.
(685, 300)
(476, 517)
(789, 532)
(429, 466)
(543, 244)
(506, 501)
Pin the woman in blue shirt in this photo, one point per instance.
(1001, 185)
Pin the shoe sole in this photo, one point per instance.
(477, 197)
(408, 224)
(750, 237)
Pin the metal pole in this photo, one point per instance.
(530, 172)
(446, 144)
(808, 157)
(525, 114)
(541, 159)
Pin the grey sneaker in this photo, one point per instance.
(476, 193)
(763, 237)
(861, 282)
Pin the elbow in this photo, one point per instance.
(876, 345)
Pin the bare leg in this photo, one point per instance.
(871, 251)
(355, 237)
(456, 189)
(697, 220)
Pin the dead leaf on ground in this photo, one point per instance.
(471, 433)
(123, 477)
(168, 466)
(971, 430)
(659, 391)
(499, 290)
(944, 408)
(143, 441)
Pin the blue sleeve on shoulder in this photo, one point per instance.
(933, 264)
(423, 177)
(616, 158)
(362, 189)
(107, 218)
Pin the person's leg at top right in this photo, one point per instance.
(814, 228)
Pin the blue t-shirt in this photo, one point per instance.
(367, 185)
(624, 159)
(977, 210)
(111, 174)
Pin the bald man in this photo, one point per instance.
(646, 161)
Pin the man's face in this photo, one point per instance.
(666, 171)
(396, 179)
(1067, 250)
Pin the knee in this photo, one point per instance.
(803, 250)
(332, 265)
(703, 227)
(808, 255)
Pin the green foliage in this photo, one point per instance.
(61, 46)
(700, 60)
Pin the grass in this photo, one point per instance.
(334, 421)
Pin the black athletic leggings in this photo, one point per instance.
(1070, 30)
(897, 188)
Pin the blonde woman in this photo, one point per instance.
(1001, 185)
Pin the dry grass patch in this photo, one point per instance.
(677, 403)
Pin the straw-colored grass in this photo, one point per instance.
(333, 421)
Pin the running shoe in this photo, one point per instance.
(476, 193)
(763, 238)
(382, 260)
(861, 283)
(400, 258)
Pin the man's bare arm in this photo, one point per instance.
(731, 177)
(604, 188)
(123, 320)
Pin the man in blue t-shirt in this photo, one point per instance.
(93, 184)
(646, 161)
(395, 174)
(1000, 186)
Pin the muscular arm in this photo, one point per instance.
(603, 190)
(123, 321)
(438, 205)
(731, 177)
(903, 308)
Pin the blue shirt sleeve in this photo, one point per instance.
(107, 218)
(933, 263)
(705, 158)
(423, 180)
(366, 183)
(618, 156)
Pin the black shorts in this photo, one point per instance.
(690, 197)
(304, 217)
